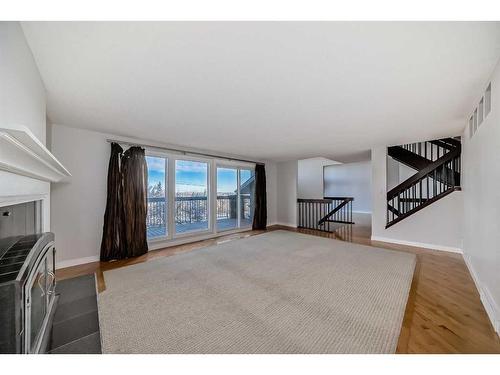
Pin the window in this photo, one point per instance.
(475, 119)
(247, 196)
(481, 112)
(235, 197)
(191, 211)
(487, 100)
(227, 198)
(181, 202)
(156, 219)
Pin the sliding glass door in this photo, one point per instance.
(227, 198)
(191, 211)
(235, 197)
(247, 193)
(156, 219)
(193, 196)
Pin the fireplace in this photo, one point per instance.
(27, 279)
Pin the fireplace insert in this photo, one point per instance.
(27, 293)
(27, 279)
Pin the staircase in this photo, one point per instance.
(437, 166)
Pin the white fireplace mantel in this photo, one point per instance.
(22, 153)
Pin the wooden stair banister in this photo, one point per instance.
(438, 174)
(318, 214)
(423, 172)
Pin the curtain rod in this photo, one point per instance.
(183, 152)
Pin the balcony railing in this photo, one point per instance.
(191, 213)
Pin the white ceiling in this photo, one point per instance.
(266, 90)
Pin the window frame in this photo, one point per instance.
(168, 230)
(474, 116)
(210, 223)
(239, 198)
(487, 100)
(238, 167)
(471, 127)
(228, 166)
(172, 237)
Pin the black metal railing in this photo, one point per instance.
(194, 209)
(322, 214)
(246, 207)
(188, 210)
(439, 177)
(156, 216)
(227, 207)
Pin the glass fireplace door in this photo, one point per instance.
(37, 306)
(39, 299)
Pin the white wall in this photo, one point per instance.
(481, 187)
(271, 190)
(310, 177)
(392, 173)
(438, 226)
(78, 206)
(350, 180)
(287, 192)
(22, 102)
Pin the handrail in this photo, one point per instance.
(418, 208)
(304, 200)
(443, 144)
(422, 173)
(340, 198)
(324, 200)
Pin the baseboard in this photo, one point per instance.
(492, 309)
(418, 244)
(76, 262)
(156, 245)
(286, 224)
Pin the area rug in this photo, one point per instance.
(278, 292)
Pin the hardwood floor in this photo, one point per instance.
(444, 313)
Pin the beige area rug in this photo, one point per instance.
(278, 292)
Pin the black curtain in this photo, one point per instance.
(260, 213)
(135, 182)
(112, 246)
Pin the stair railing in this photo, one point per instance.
(432, 150)
(438, 179)
(321, 214)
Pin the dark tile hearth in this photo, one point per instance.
(90, 344)
(75, 328)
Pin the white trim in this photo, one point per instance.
(76, 262)
(449, 249)
(8, 200)
(362, 212)
(22, 153)
(155, 245)
(492, 309)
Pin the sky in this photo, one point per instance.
(191, 176)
